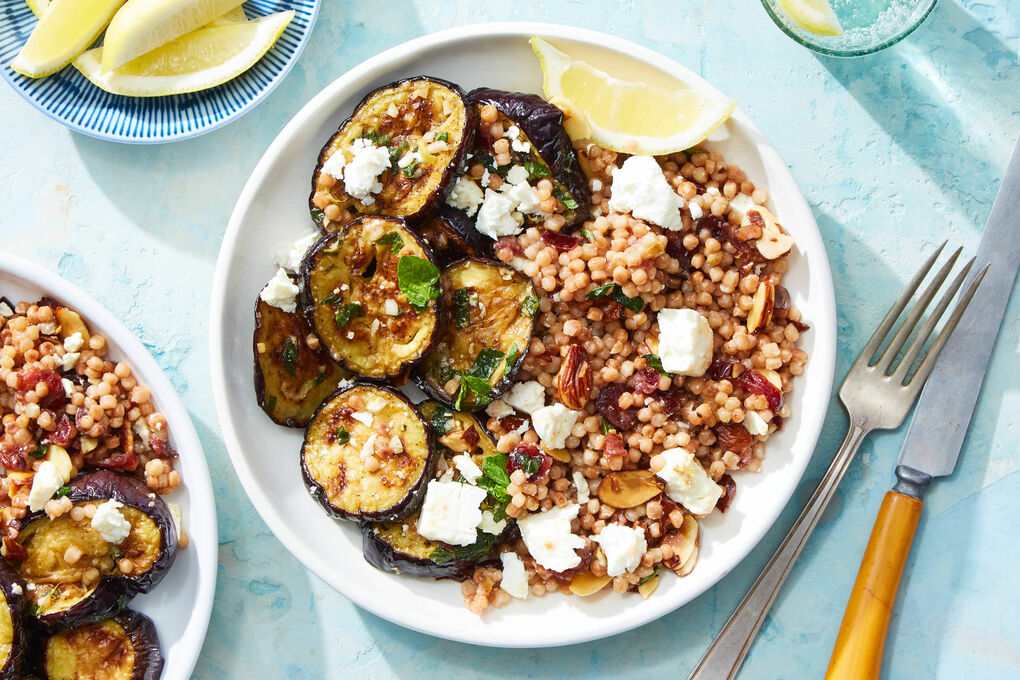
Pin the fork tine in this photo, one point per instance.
(929, 326)
(884, 362)
(868, 353)
(929, 359)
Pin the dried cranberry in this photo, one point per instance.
(646, 381)
(14, 551)
(509, 243)
(608, 405)
(610, 310)
(729, 491)
(12, 458)
(722, 231)
(511, 423)
(669, 402)
(64, 432)
(55, 397)
(118, 461)
(564, 243)
(614, 447)
(161, 448)
(585, 554)
(735, 438)
(531, 459)
(675, 249)
(755, 383)
(721, 369)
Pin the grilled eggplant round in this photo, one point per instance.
(291, 379)
(452, 236)
(12, 628)
(92, 585)
(425, 124)
(367, 454)
(370, 292)
(486, 336)
(125, 647)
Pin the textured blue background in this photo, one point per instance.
(895, 152)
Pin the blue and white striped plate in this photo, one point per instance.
(69, 98)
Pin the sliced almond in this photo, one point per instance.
(561, 455)
(629, 488)
(762, 305)
(461, 441)
(774, 243)
(648, 586)
(683, 543)
(61, 461)
(71, 323)
(587, 583)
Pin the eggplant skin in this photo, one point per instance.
(358, 267)
(542, 123)
(13, 588)
(499, 323)
(331, 455)
(424, 104)
(291, 379)
(74, 653)
(452, 236)
(108, 598)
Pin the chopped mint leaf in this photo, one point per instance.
(289, 356)
(418, 279)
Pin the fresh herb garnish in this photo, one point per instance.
(40, 452)
(655, 362)
(479, 386)
(489, 162)
(606, 427)
(529, 464)
(495, 479)
(586, 233)
(458, 402)
(397, 152)
(343, 436)
(566, 199)
(443, 137)
(333, 300)
(417, 279)
(462, 301)
(634, 304)
(31, 608)
(472, 553)
(393, 240)
(289, 356)
(655, 572)
(411, 168)
(352, 310)
(376, 138)
(530, 306)
(485, 363)
(319, 379)
(511, 359)
(443, 371)
(600, 291)
(317, 215)
(536, 170)
(271, 403)
(440, 420)
(62, 491)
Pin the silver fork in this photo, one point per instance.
(877, 394)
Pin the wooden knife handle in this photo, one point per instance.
(857, 654)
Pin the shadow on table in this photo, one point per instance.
(925, 93)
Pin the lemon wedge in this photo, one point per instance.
(38, 6)
(630, 117)
(66, 30)
(196, 61)
(232, 17)
(143, 25)
(814, 16)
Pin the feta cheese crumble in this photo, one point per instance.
(391, 307)
(553, 424)
(290, 255)
(111, 523)
(623, 547)
(526, 396)
(495, 217)
(687, 483)
(451, 512)
(74, 342)
(549, 539)
(363, 417)
(467, 468)
(280, 292)
(640, 188)
(489, 524)
(361, 174)
(755, 424)
(465, 195)
(583, 489)
(500, 409)
(45, 483)
(513, 133)
(685, 342)
(334, 165)
(515, 581)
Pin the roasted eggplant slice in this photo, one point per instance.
(370, 292)
(291, 379)
(125, 647)
(12, 628)
(424, 125)
(452, 236)
(367, 454)
(486, 336)
(73, 574)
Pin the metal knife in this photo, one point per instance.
(933, 440)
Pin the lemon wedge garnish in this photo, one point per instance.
(66, 30)
(196, 61)
(143, 25)
(232, 17)
(814, 16)
(630, 117)
(37, 6)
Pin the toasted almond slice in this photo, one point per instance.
(647, 587)
(71, 323)
(561, 455)
(762, 305)
(587, 583)
(629, 488)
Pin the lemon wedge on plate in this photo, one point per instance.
(814, 16)
(195, 61)
(65, 31)
(232, 17)
(143, 25)
(630, 117)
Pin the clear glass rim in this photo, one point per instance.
(855, 52)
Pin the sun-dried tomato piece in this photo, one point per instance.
(55, 397)
(755, 383)
(12, 458)
(608, 405)
(511, 423)
(646, 381)
(563, 243)
(614, 447)
(722, 231)
(64, 432)
(729, 491)
(162, 448)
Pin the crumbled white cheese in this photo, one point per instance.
(376, 404)
(368, 448)
(596, 185)
(516, 175)
(526, 396)
(467, 468)
(69, 387)
(70, 359)
(280, 292)
(465, 195)
(495, 217)
(755, 424)
(74, 342)
(334, 165)
(391, 307)
(409, 158)
(640, 188)
(549, 539)
(553, 424)
(526, 198)
(687, 483)
(623, 547)
(741, 203)
(489, 524)
(513, 133)
(499, 409)
(685, 341)
(451, 513)
(363, 417)
(695, 208)
(110, 523)
(290, 255)
(361, 174)
(583, 490)
(17, 589)
(45, 483)
(514, 581)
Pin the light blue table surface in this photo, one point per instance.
(895, 152)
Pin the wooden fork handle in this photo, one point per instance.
(857, 654)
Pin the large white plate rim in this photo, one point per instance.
(824, 323)
(202, 506)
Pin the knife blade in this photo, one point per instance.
(936, 433)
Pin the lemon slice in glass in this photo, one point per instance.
(814, 16)
(196, 61)
(630, 117)
(66, 30)
(143, 25)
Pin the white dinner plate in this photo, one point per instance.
(182, 602)
(273, 209)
